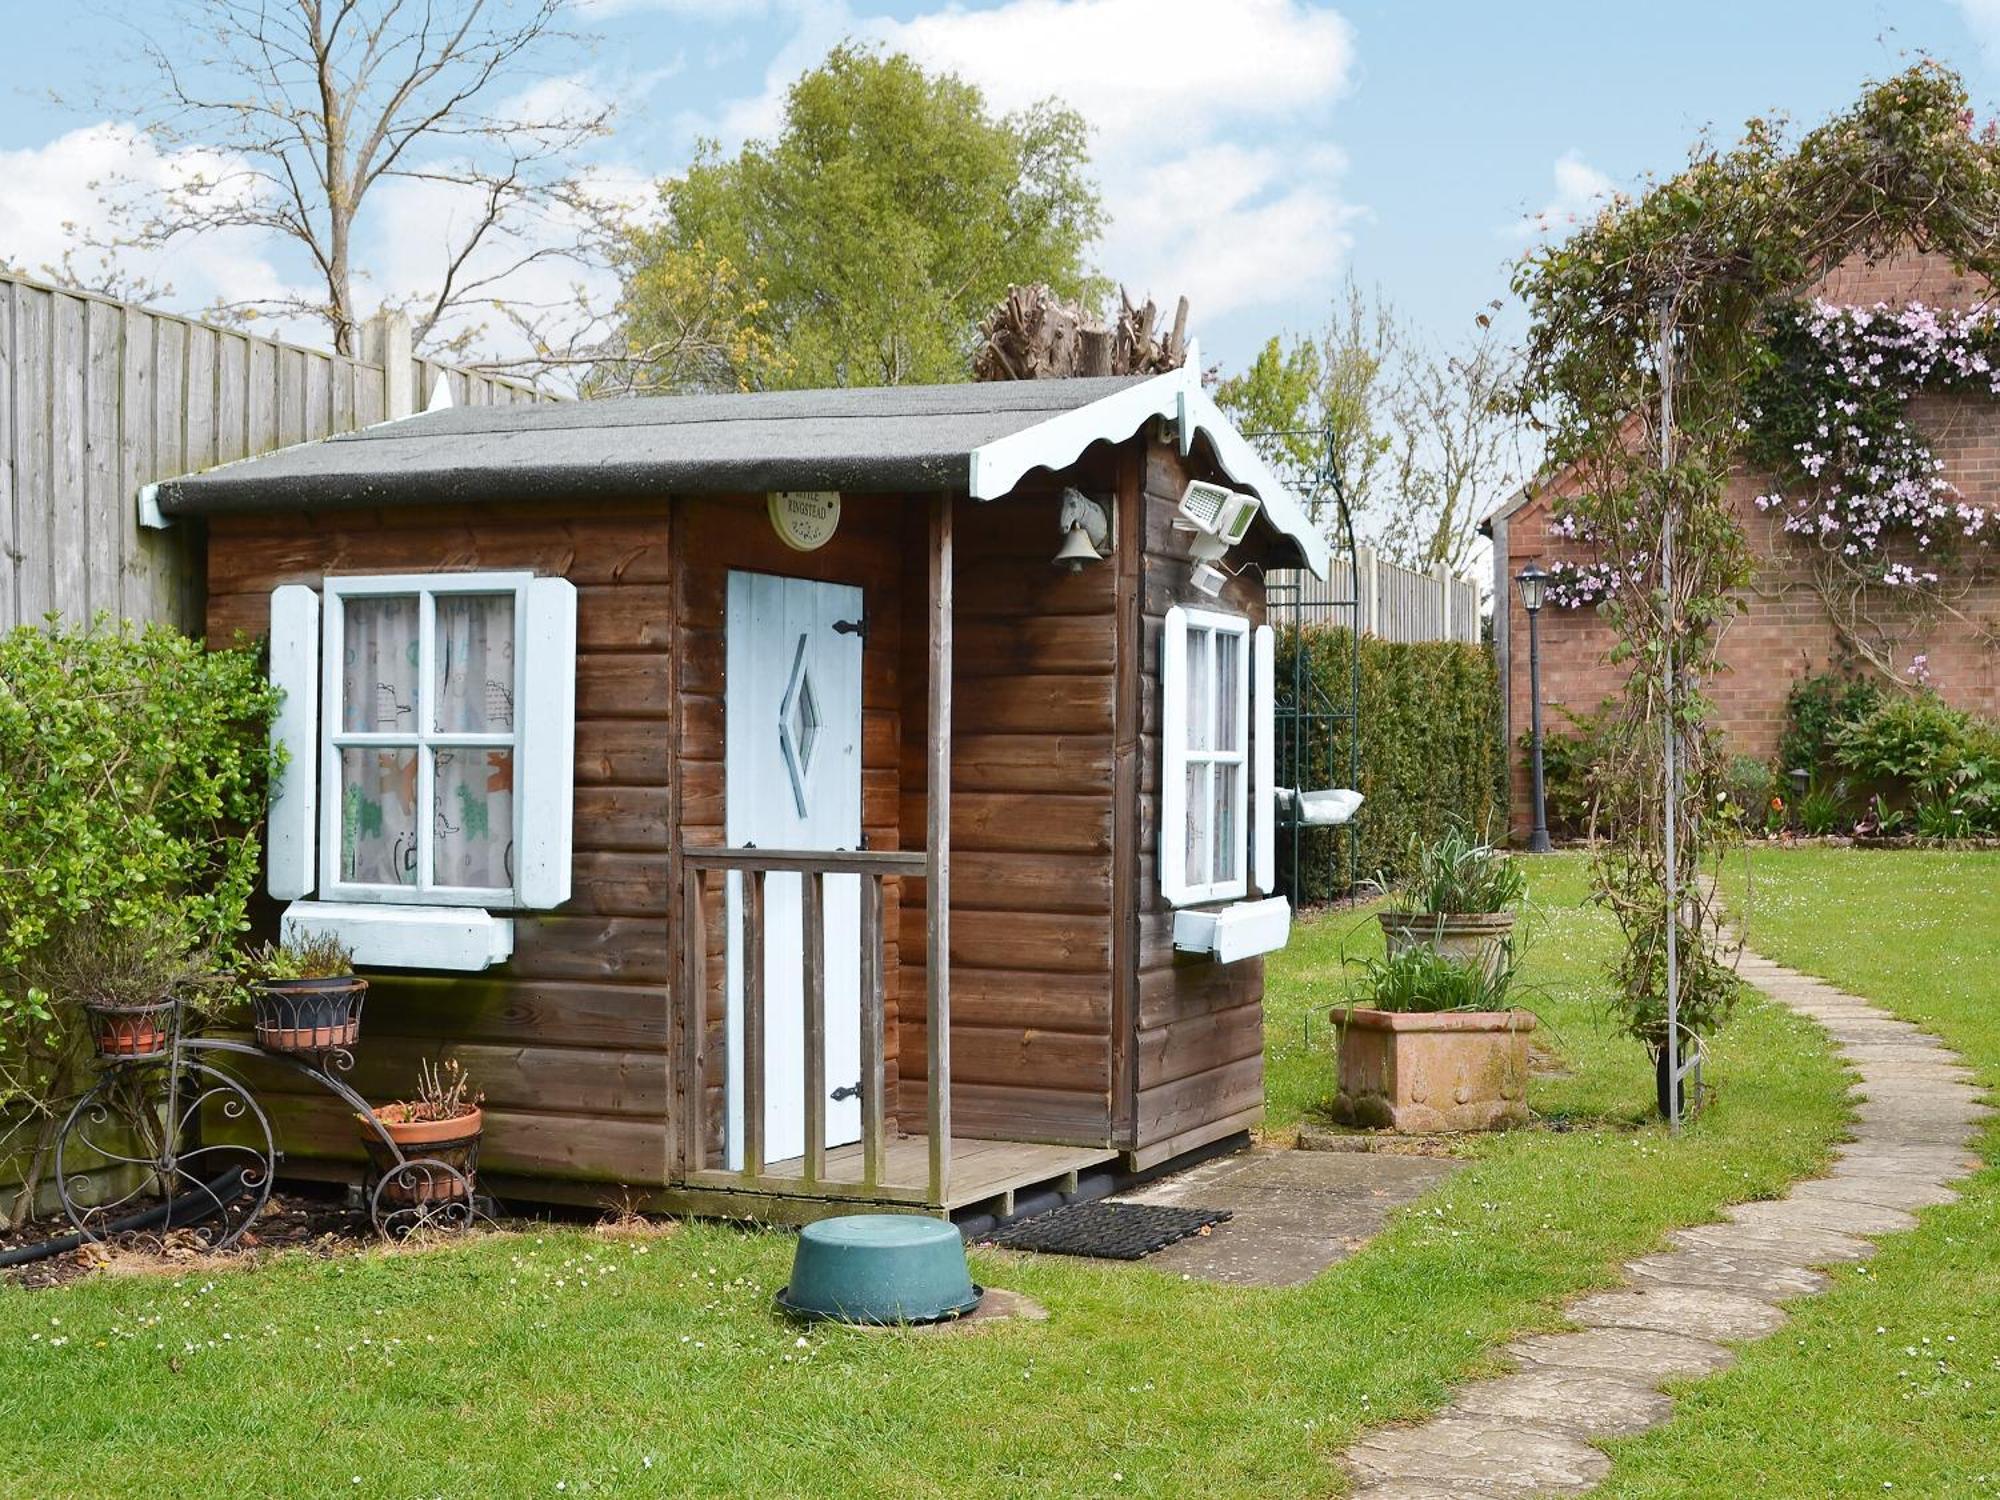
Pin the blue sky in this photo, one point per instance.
(1251, 151)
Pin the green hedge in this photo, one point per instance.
(1430, 750)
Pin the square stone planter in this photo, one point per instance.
(1429, 1072)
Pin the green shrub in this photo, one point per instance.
(1913, 742)
(1430, 751)
(1569, 757)
(1815, 709)
(1750, 784)
(133, 775)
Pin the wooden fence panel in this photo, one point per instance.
(100, 398)
(1382, 598)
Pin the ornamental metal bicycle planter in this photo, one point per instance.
(171, 1137)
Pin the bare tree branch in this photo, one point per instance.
(307, 106)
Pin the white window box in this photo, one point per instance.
(1243, 930)
(464, 939)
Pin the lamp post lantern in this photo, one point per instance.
(1533, 583)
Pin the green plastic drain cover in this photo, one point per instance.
(880, 1268)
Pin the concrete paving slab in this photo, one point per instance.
(1496, 1455)
(1636, 1353)
(1293, 1213)
(1889, 1190)
(1803, 1246)
(1847, 1218)
(1591, 1403)
(1421, 1489)
(1730, 1272)
(1698, 1312)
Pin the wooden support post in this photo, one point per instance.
(874, 1076)
(753, 1022)
(694, 989)
(937, 853)
(812, 902)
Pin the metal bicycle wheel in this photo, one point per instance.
(421, 1193)
(185, 1148)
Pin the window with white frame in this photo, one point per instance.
(1218, 736)
(1205, 810)
(436, 764)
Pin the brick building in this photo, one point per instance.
(1785, 631)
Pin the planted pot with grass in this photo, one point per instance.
(441, 1123)
(304, 994)
(1434, 1045)
(1458, 899)
(129, 978)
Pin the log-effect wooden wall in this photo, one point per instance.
(1198, 1054)
(716, 536)
(570, 1039)
(1031, 827)
(98, 398)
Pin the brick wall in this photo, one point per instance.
(1785, 631)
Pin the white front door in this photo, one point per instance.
(792, 780)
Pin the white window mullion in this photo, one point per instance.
(330, 809)
(426, 719)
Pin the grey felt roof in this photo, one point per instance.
(883, 438)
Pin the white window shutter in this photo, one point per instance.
(1173, 757)
(546, 716)
(1263, 758)
(293, 811)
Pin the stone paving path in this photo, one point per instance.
(1530, 1433)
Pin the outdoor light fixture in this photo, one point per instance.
(1219, 517)
(1534, 586)
(1086, 528)
(1533, 583)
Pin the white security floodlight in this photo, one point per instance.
(1218, 512)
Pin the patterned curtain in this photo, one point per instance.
(472, 692)
(472, 841)
(378, 788)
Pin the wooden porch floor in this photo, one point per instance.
(980, 1170)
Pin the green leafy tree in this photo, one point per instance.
(1336, 381)
(133, 775)
(864, 243)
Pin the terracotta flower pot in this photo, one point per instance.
(1468, 937)
(1421, 1073)
(308, 1015)
(122, 1033)
(455, 1142)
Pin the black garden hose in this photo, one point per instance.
(174, 1212)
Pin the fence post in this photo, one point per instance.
(1443, 576)
(385, 343)
(1367, 591)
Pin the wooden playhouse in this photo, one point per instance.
(742, 790)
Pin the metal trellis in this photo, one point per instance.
(1309, 719)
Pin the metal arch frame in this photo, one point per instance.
(183, 1061)
(1307, 718)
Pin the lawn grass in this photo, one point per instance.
(1893, 1378)
(567, 1362)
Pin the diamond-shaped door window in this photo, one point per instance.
(799, 725)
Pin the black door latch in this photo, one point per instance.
(852, 1091)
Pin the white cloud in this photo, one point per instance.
(1580, 191)
(1201, 117)
(54, 196)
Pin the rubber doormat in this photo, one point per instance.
(1107, 1231)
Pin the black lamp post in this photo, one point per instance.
(1534, 586)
